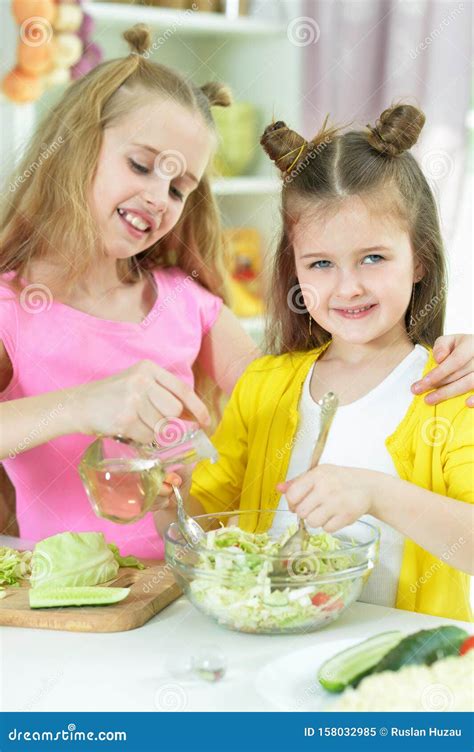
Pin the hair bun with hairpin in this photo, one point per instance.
(397, 130)
(287, 148)
(284, 146)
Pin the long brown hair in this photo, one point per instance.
(319, 174)
(44, 211)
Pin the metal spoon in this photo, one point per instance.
(296, 543)
(191, 530)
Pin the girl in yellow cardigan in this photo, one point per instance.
(358, 299)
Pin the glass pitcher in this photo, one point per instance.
(123, 478)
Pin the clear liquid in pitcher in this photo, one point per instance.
(123, 479)
(122, 492)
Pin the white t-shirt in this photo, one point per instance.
(357, 439)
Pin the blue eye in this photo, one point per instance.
(376, 256)
(315, 264)
(138, 167)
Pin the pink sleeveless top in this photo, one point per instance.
(53, 346)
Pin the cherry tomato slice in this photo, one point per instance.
(467, 646)
(320, 599)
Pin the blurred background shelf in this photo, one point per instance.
(246, 186)
(121, 16)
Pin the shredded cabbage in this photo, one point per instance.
(14, 567)
(241, 590)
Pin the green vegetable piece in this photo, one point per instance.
(46, 597)
(350, 666)
(125, 561)
(276, 598)
(424, 647)
(14, 566)
(73, 560)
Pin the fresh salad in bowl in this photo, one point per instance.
(239, 579)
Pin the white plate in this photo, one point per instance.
(290, 683)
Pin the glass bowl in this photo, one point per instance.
(251, 591)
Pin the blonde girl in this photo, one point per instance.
(113, 295)
(358, 302)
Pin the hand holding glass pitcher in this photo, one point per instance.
(124, 470)
(124, 480)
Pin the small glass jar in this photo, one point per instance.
(123, 479)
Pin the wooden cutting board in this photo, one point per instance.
(151, 590)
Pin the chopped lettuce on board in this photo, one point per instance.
(14, 567)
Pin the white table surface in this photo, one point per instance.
(45, 670)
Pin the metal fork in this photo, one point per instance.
(296, 543)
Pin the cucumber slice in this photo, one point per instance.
(350, 666)
(276, 598)
(76, 596)
(424, 647)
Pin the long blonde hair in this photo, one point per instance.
(45, 206)
(44, 212)
(317, 176)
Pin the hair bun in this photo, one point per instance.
(396, 130)
(219, 95)
(287, 148)
(138, 38)
(282, 144)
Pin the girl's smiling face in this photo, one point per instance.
(353, 259)
(148, 165)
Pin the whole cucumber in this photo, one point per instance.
(424, 647)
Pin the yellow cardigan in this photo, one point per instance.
(431, 447)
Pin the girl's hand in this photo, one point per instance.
(330, 496)
(455, 353)
(133, 402)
